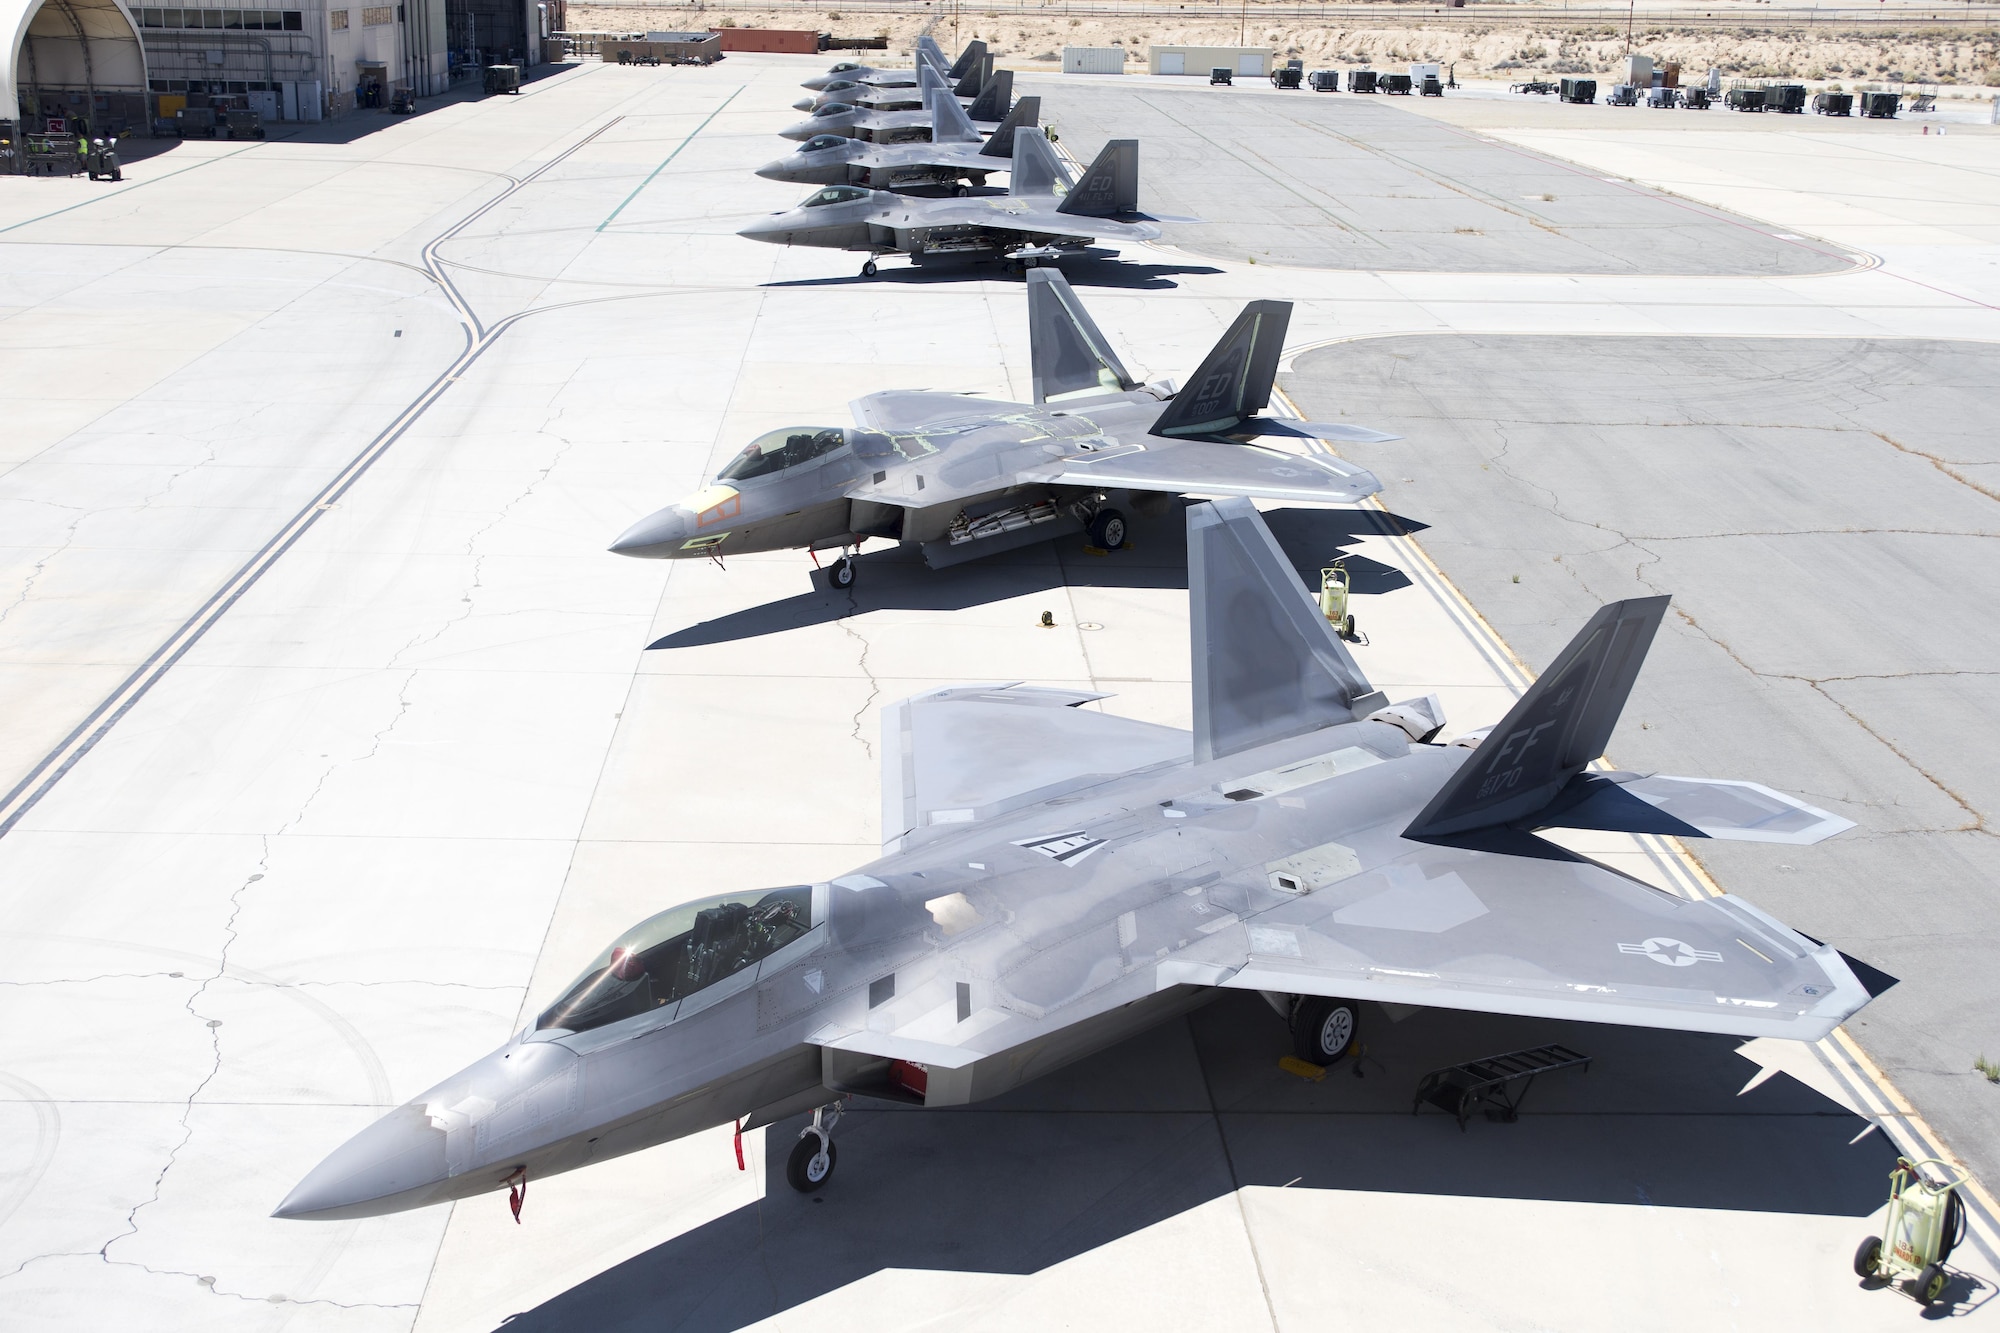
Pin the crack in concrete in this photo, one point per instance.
(209, 1283)
(41, 565)
(1937, 463)
(846, 623)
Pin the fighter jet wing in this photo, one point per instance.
(975, 751)
(1204, 467)
(1464, 929)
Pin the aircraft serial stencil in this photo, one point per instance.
(1055, 879)
(962, 477)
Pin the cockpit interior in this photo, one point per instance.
(780, 449)
(680, 951)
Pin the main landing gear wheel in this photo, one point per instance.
(1107, 529)
(840, 573)
(868, 269)
(811, 1163)
(961, 191)
(1323, 1030)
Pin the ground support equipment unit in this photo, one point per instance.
(1880, 106)
(1833, 104)
(1622, 94)
(1540, 87)
(1925, 1224)
(503, 79)
(1498, 1083)
(1324, 80)
(1221, 74)
(1786, 98)
(1694, 99)
(1360, 80)
(1398, 84)
(1582, 92)
(1744, 99)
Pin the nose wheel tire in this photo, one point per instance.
(811, 1163)
(840, 573)
(1323, 1030)
(868, 269)
(1107, 529)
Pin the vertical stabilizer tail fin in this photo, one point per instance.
(1036, 170)
(1266, 663)
(973, 78)
(968, 59)
(1559, 726)
(996, 95)
(1069, 354)
(949, 123)
(1233, 383)
(1110, 184)
(1025, 114)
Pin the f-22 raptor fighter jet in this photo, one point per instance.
(928, 52)
(954, 153)
(1054, 880)
(902, 97)
(966, 477)
(995, 99)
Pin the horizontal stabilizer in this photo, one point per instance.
(1738, 811)
(1025, 114)
(996, 97)
(1110, 184)
(1277, 428)
(1234, 383)
(1266, 663)
(1203, 467)
(1559, 726)
(1069, 354)
(1036, 170)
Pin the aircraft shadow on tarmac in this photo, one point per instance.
(896, 579)
(1112, 273)
(1196, 1108)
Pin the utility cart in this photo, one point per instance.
(1499, 1083)
(1334, 588)
(1925, 1224)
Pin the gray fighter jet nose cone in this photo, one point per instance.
(656, 536)
(776, 229)
(803, 104)
(805, 129)
(400, 1153)
(773, 171)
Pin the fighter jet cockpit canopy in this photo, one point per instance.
(819, 143)
(843, 67)
(834, 109)
(780, 449)
(680, 951)
(835, 194)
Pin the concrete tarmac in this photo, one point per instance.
(345, 744)
(1365, 182)
(1826, 513)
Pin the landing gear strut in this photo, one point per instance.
(840, 574)
(811, 1163)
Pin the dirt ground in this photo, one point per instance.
(1513, 48)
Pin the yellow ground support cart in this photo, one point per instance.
(1926, 1222)
(1334, 587)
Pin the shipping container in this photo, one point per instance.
(1093, 59)
(793, 41)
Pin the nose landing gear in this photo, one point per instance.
(811, 1163)
(868, 269)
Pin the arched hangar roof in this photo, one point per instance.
(87, 45)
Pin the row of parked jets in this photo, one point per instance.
(903, 156)
(1054, 879)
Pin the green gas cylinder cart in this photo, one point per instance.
(1926, 1222)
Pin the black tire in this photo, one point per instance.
(868, 269)
(840, 574)
(1324, 1030)
(806, 1170)
(1347, 629)
(960, 191)
(1868, 1258)
(1931, 1284)
(1107, 529)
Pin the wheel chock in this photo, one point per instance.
(1305, 1069)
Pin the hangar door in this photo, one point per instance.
(1252, 65)
(1173, 62)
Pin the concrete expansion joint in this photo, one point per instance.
(1975, 820)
